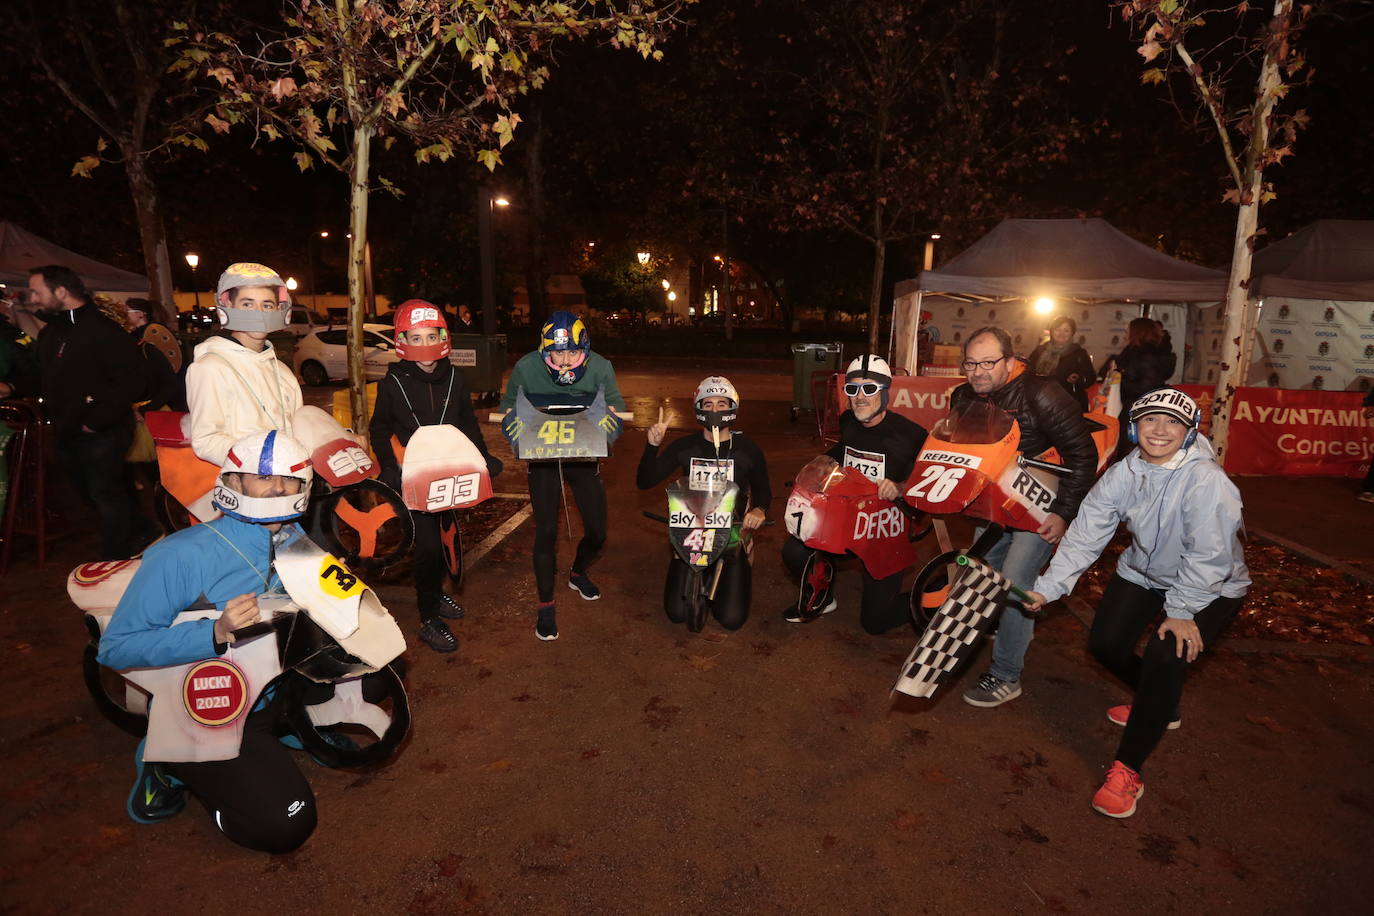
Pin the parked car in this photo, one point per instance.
(303, 321)
(322, 354)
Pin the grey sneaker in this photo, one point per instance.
(991, 691)
(1367, 497)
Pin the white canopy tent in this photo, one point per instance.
(21, 250)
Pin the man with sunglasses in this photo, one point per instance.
(883, 446)
(1049, 417)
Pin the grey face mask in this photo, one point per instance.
(251, 319)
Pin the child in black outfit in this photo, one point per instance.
(424, 389)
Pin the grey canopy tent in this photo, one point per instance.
(1083, 261)
(21, 250)
(1330, 259)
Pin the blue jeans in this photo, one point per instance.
(1020, 556)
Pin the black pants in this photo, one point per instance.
(430, 567)
(883, 606)
(1126, 610)
(731, 604)
(95, 464)
(546, 491)
(259, 799)
(1368, 479)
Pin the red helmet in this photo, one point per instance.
(412, 315)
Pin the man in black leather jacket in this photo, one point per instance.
(1049, 417)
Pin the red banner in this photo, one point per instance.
(1274, 431)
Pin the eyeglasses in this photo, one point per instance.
(986, 365)
(868, 389)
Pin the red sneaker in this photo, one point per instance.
(1120, 792)
(1118, 715)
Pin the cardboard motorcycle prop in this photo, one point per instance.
(970, 465)
(557, 431)
(442, 472)
(329, 629)
(835, 509)
(357, 516)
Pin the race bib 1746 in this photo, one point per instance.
(710, 473)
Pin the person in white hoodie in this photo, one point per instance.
(1185, 559)
(236, 385)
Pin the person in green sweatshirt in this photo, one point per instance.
(564, 371)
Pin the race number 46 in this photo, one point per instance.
(936, 483)
(557, 432)
(447, 492)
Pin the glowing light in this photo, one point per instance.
(324, 233)
(935, 235)
(291, 283)
(672, 297)
(666, 284)
(193, 260)
(643, 257)
(501, 201)
(1044, 305)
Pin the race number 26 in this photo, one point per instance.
(936, 483)
(447, 492)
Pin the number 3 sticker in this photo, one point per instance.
(936, 483)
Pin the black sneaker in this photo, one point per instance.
(436, 635)
(583, 586)
(793, 613)
(157, 795)
(450, 608)
(547, 626)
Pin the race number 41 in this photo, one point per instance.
(936, 483)
(447, 492)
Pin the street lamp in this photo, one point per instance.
(486, 203)
(666, 284)
(194, 260)
(643, 257)
(291, 284)
(1044, 305)
(930, 250)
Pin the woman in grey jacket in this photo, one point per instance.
(1185, 558)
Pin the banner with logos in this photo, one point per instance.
(1274, 432)
(1314, 345)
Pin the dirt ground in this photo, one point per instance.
(633, 767)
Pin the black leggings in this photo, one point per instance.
(731, 604)
(430, 567)
(884, 605)
(546, 490)
(259, 799)
(1125, 611)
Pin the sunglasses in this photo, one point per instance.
(867, 389)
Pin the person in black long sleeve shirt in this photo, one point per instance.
(717, 406)
(424, 389)
(883, 446)
(91, 373)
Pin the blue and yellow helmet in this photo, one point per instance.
(565, 331)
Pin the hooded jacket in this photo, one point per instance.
(214, 562)
(233, 391)
(1049, 418)
(1184, 518)
(532, 374)
(408, 398)
(90, 370)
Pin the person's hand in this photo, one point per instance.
(494, 466)
(613, 426)
(887, 489)
(657, 431)
(86, 429)
(6, 391)
(1186, 637)
(753, 518)
(1036, 602)
(358, 439)
(1053, 528)
(238, 613)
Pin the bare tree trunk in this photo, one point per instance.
(535, 275)
(151, 230)
(1247, 221)
(357, 246)
(875, 290)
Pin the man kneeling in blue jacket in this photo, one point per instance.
(1185, 559)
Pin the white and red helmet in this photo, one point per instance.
(265, 453)
(413, 315)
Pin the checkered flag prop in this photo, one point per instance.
(976, 596)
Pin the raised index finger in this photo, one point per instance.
(660, 414)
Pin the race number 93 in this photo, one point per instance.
(936, 483)
(447, 492)
(557, 432)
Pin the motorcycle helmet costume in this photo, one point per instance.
(875, 370)
(565, 331)
(413, 315)
(716, 386)
(264, 453)
(252, 320)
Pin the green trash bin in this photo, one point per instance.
(808, 359)
(481, 359)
